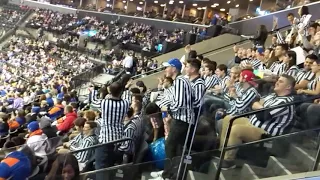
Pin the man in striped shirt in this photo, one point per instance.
(279, 67)
(211, 79)
(192, 71)
(272, 122)
(305, 75)
(131, 130)
(181, 108)
(113, 111)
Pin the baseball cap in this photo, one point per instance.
(248, 76)
(173, 63)
(260, 51)
(35, 109)
(33, 126)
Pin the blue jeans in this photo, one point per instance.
(105, 157)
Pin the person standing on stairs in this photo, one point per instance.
(180, 105)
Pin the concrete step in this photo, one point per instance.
(306, 157)
(243, 173)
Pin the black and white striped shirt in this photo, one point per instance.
(181, 101)
(254, 62)
(132, 129)
(211, 81)
(199, 88)
(127, 95)
(274, 65)
(279, 68)
(113, 112)
(243, 103)
(280, 117)
(312, 85)
(239, 92)
(304, 75)
(223, 83)
(81, 142)
(164, 98)
(292, 71)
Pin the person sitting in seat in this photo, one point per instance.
(66, 123)
(37, 140)
(18, 121)
(272, 122)
(17, 164)
(56, 111)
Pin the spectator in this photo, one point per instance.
(64, 167)
(246, 130)
(113, 110)
(17, 164)
(181, 106)
(67, 120)
(37, 140)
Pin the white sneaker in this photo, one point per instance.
(156, 174)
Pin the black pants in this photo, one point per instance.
(105, 157)
(174, 144)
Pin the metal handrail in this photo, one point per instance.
(100, 145)
(228, 132)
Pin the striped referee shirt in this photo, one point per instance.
(280, 117)
(198, 85)
(223, 83)
(312, 85)
(113, 112)
(130, 131)
(211, 81)
(274, 65)
(127, 95)
(279, 68)
(164, 98)
(304, 75)
(239, 92)
(293, 71)
(80, 142)
(254, 62)
(181, 100)
(243, 103)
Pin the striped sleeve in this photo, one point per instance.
(199, 91)
(75, 140)
(280, 69)
(309, 76)
(241, 104)
(129, 132)
(83, 156)
(211, 81)
(126, 95)
(165, 97)
(95, 102)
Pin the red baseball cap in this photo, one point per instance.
(248, 76)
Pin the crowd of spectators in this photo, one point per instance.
(141, 35)
(263, 77)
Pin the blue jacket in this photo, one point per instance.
(16, 165)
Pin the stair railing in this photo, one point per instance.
(228, 132)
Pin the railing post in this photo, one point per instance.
(316, 162)
(223, 150)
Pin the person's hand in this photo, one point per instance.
(300, 91)
(317, 101)
(129, 83)
(164, 108)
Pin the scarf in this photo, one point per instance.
(36, 132)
